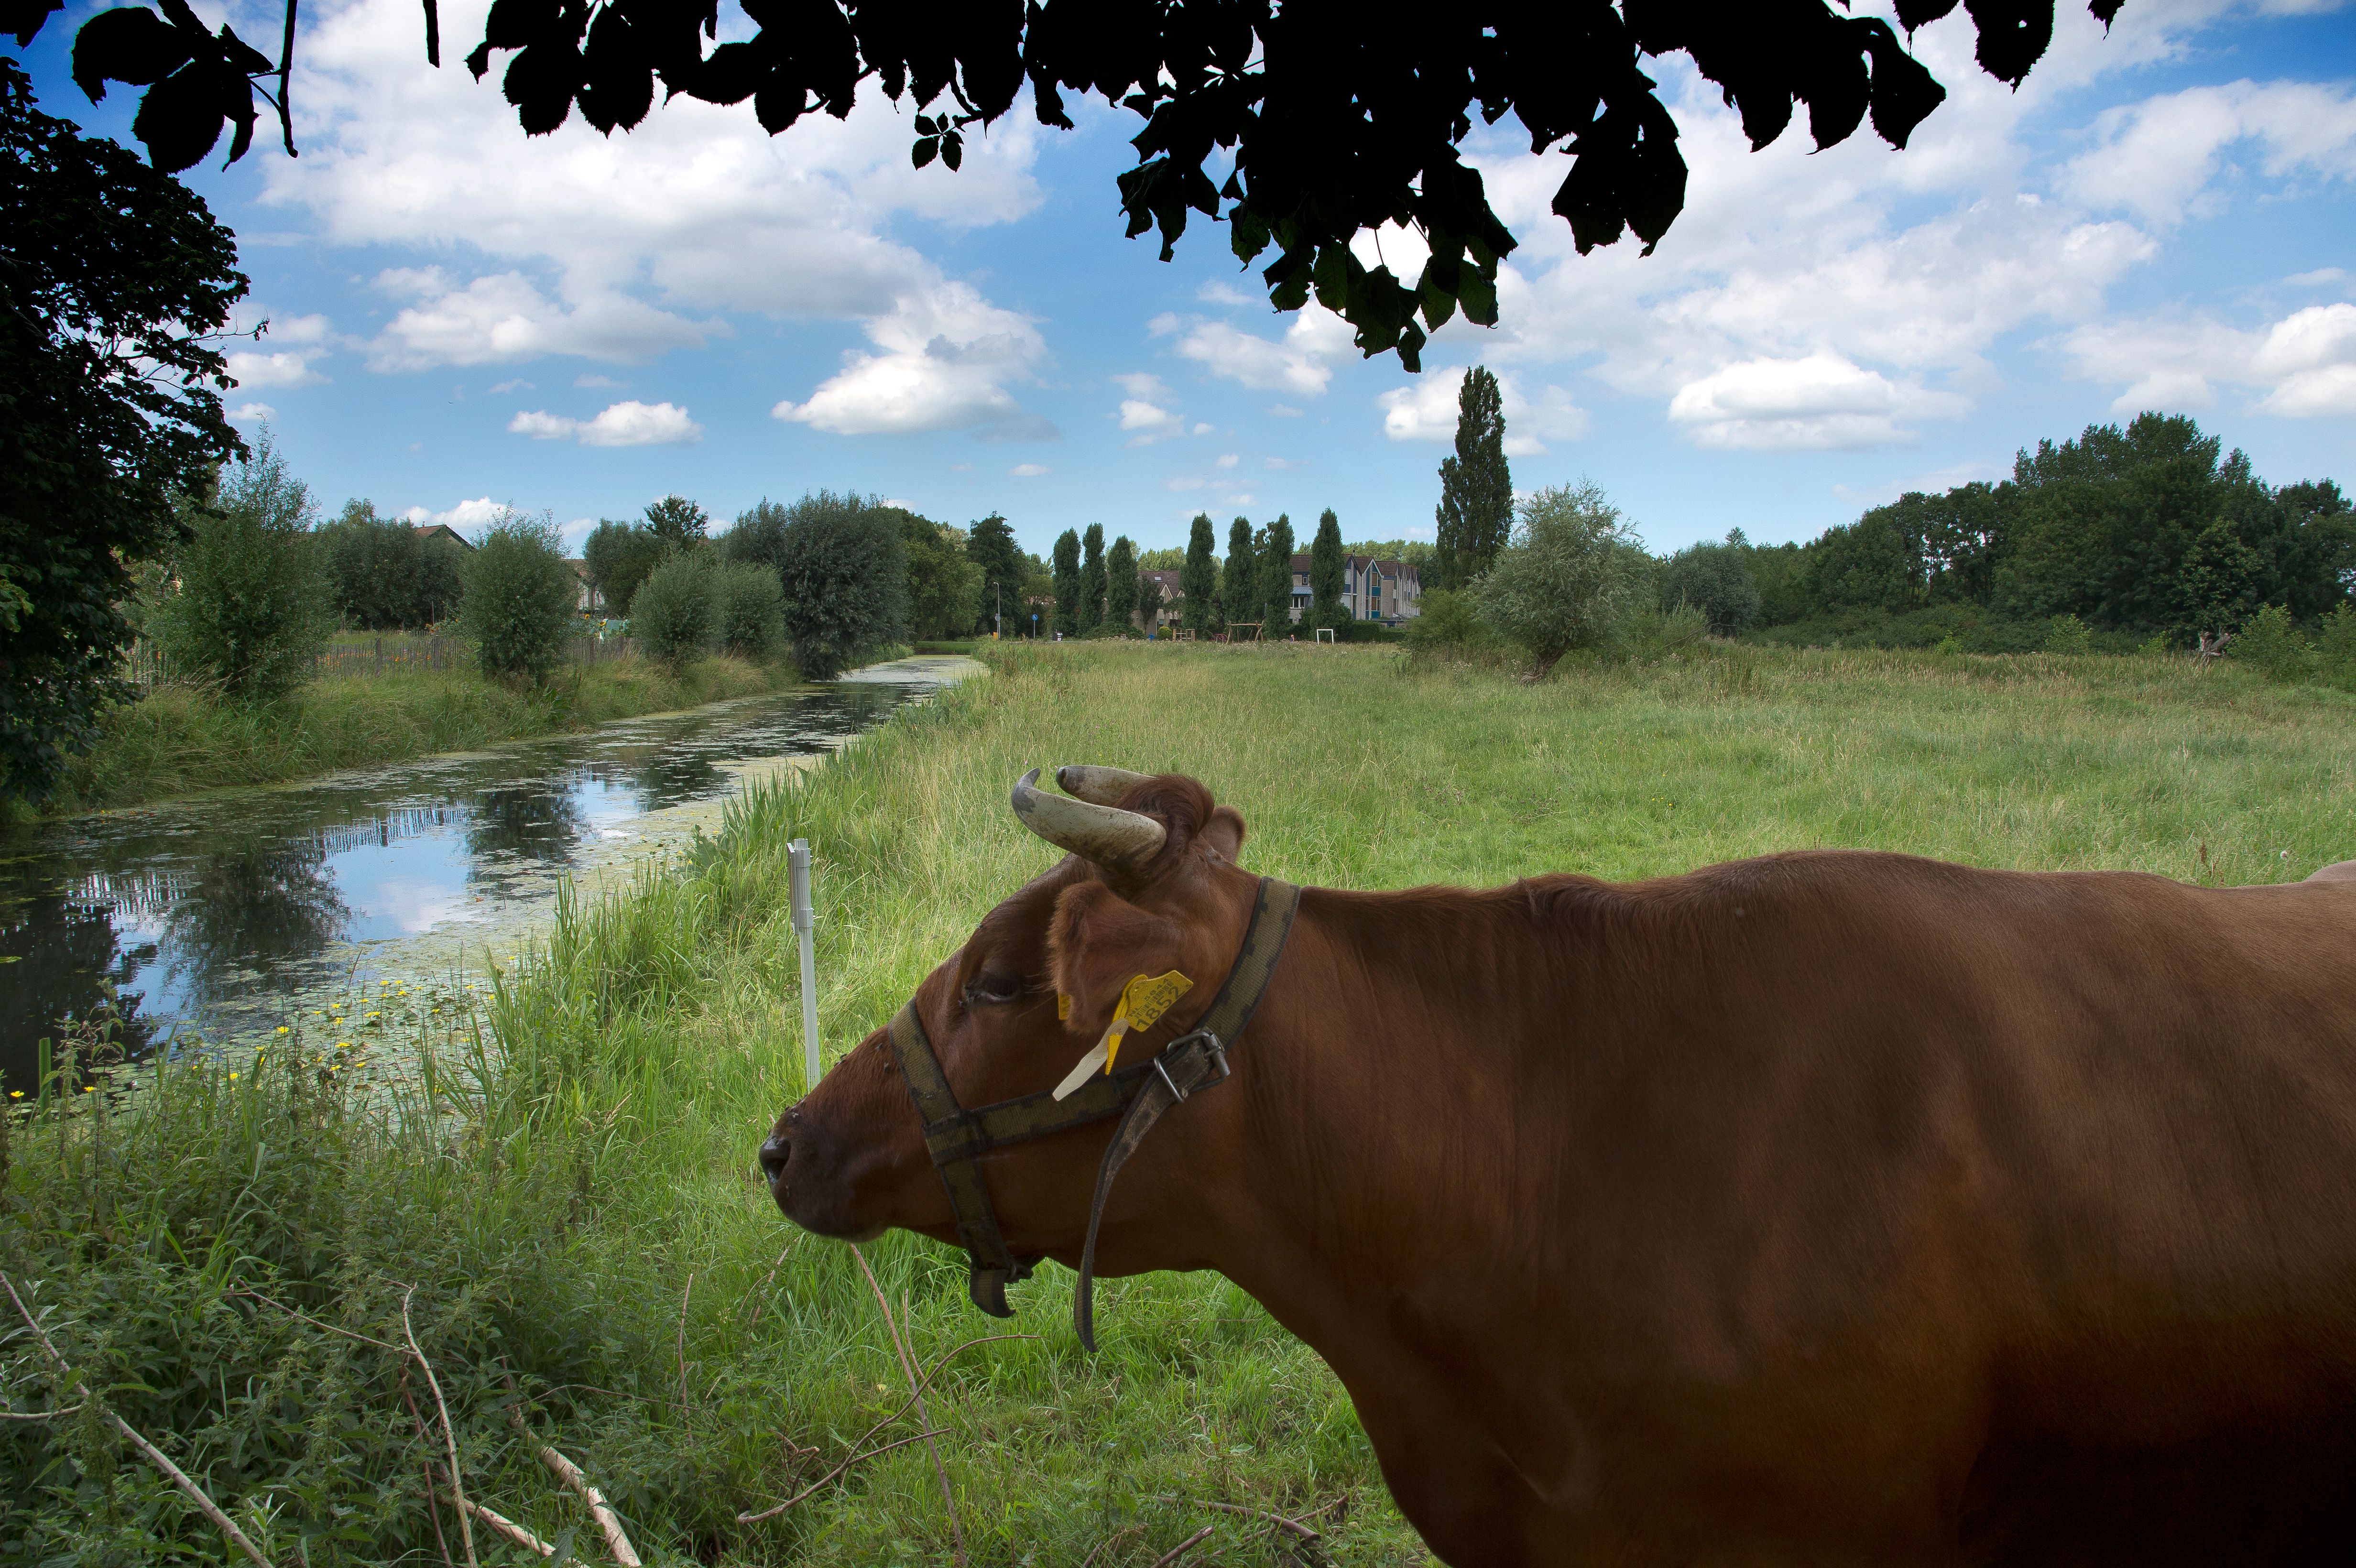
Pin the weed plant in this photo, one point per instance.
(184, 738)
(568, 1185)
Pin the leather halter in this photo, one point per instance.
(956, 1137)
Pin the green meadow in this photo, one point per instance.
(556, 1186)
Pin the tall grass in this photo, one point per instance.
(570, 1192)
(184, 738)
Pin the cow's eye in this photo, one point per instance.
(990, 985)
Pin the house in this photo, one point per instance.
(591, 600)
(428, 532)
(1390, 592)
(1173, 598)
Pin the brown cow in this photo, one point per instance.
(1824, 1207)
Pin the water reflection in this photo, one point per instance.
(211, 913)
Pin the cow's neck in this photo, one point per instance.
(1403, 1146)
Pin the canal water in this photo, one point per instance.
(219, 916)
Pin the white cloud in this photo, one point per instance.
(2302, 367)
(1818, 401)
(516, 385)
(1029, 470)
(505, 317)
(1279, 465)
(2157, 158)
(617, 248)
(255, 371)
(465, 515)
(1220, 292)
(1229, 459)
(1203, 427)
(1302, 362)
(252, 413)
(947, 357)
(299, 329)
(1427, 411)
(1284, 411)
(590, 379)
(630, 423)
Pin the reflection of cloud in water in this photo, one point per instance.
(409, 908)
(229, 908)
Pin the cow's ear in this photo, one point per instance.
(1225, 832)
(1098, 943)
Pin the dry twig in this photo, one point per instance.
(618, 1541)
(304, 1318)
(425, 1461)
(1115, 1539)
(449, 1434)
(1281, 1521)
(828, 1477)
(682, 1340)
(36, 1415)
(155, 1455)
(1184, 1547)
(923, 1418)
(504, 1525)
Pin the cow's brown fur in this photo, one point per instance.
(1824, 1207)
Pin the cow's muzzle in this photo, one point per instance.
(773, 1157)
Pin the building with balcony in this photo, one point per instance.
(1390, 591)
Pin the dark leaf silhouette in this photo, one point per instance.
(1334, 127)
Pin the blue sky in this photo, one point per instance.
(460, 317)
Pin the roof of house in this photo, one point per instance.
(433, 531)
(1361, 562)
(1168, 578)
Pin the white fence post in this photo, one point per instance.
(797, 862)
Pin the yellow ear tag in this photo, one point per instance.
(1062, 1006)
(1142, 1002)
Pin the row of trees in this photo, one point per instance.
(1098, 590)
(248, 593)
(2144, 532)
(952, 581)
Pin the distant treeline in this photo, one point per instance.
(2143, 533)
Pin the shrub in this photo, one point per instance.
(750, 609)
(676, 616)
(518, 606)
(1649, 635)
(618, 557)
(1713, 578)
(944, 583)
(2068, 634)
(2335, 650)
(255, 605)
(1449, 623)
(1565, 579)
(2273, 645)
(385, 576)
(844, 570)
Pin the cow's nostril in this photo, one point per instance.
(774, 1155)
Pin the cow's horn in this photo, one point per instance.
(1104, 834)
(1103, 786)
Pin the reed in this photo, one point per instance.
(181, 737)
(549, 1170)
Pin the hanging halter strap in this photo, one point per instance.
(957, 1137)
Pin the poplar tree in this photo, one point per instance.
(1198, 580)
(1092, 578)
(1067, 584)
(1120, 586)
(1239, 588)
(990, 544)
(1476, 489)
(1276, 576)
(1326, 608)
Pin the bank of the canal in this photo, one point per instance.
(222, 915)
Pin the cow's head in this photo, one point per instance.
(1150, 885)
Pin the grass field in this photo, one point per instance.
(571, 1201)
(184, 738)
